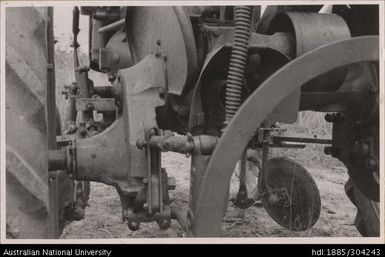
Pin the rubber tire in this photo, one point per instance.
(367, 220)
(26, 131)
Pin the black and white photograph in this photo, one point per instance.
(176, 120)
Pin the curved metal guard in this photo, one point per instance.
(213, 189)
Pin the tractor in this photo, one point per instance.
(211, 82)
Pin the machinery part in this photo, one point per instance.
(218, 170)
(95, 104)
(112, 27)
(118, 42)
(171, 33)
(152, 202)
(238, 58)
(272, 11)
(202, 144)
(107, 158)
(134, 219)
(368, 212)
(26, 74)
(242, 199)
(301, 139)
(214, 66)
(312, 30)
(356, 132)
(53, 184)
(218, 36)
(289, 194)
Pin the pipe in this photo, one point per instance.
(113, 26)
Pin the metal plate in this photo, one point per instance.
(98, 104)
(153, 28)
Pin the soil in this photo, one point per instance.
(103, 216)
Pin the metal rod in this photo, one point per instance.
(242, 172)
(325, 141)
(53, 199)
(113, 26)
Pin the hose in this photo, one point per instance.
(238, 58)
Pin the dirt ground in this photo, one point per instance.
(103, 216)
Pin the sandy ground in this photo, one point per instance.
(103, 216)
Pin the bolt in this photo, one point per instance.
(90, 107)
(145, 181)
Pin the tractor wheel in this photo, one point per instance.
(27, 211)
(368, 212)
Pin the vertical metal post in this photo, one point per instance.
(51, 127)
(198, 167)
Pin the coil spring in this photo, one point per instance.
(238, 58)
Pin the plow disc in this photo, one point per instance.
(289, 194)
